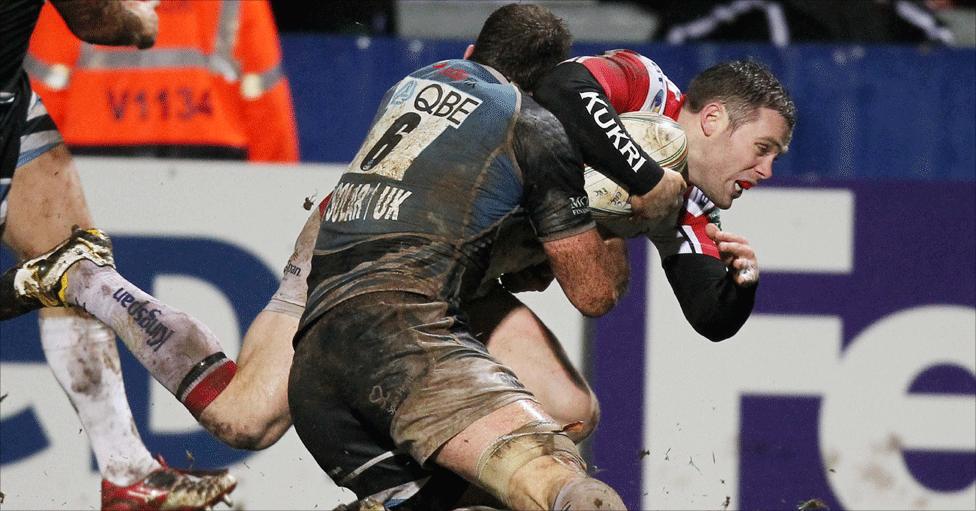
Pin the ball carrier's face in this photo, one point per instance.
(724, 161)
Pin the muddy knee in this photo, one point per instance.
(243, 428)
(587, 493)
(530, 467)
(238, 434)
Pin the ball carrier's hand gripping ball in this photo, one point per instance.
(662, 139)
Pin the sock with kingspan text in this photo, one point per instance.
(179, 351)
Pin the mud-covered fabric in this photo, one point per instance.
(13, 113)
(27, 132)
(454, 150)
(17, 21)
(391, 373)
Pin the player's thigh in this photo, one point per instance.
(517, 338)
(356, 452)
(405, 366)
(45, 200)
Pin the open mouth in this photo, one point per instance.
(742, 185)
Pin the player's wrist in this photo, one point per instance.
(647, 178)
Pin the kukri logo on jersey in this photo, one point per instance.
(614, 131)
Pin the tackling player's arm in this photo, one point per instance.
(592, 276)
(578, 100)
(112, 22)
(716, 292)
(538, 277)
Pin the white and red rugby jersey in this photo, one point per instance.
(633, 82)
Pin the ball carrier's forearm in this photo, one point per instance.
(578, 100)
(617, 263)
(716, 294)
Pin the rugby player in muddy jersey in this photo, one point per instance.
(454, 152)
(385, 370)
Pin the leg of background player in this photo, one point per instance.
(44, 202)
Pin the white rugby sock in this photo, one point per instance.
(81, 353)
(179, 351)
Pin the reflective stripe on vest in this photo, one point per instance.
(254, 85)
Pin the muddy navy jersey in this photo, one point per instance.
(453, 152)
(17, 20)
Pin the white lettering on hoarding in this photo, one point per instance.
(866, 419)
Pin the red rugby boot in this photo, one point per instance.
(168, 488)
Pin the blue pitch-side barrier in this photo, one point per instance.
(893, 125)
(864, 111)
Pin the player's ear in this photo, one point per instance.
(714, 118)
(468, 52)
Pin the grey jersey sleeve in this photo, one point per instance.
(552, 172)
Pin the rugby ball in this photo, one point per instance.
(660, 137)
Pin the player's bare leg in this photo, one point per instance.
(179, 351)
(517, 338)
(75, 343)
(252, 412)
(44, 202)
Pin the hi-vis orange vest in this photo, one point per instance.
(212, 86)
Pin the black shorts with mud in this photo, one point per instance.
(14, 100)
(26, 132)
(382, 381)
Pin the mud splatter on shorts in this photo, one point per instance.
(382, 381)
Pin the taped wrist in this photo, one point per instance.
(292, 292)
(583, 493)
(282, 305)
(511, 452)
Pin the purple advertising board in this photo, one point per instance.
(912, 263)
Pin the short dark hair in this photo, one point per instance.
(522, 41)
(743, 86)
